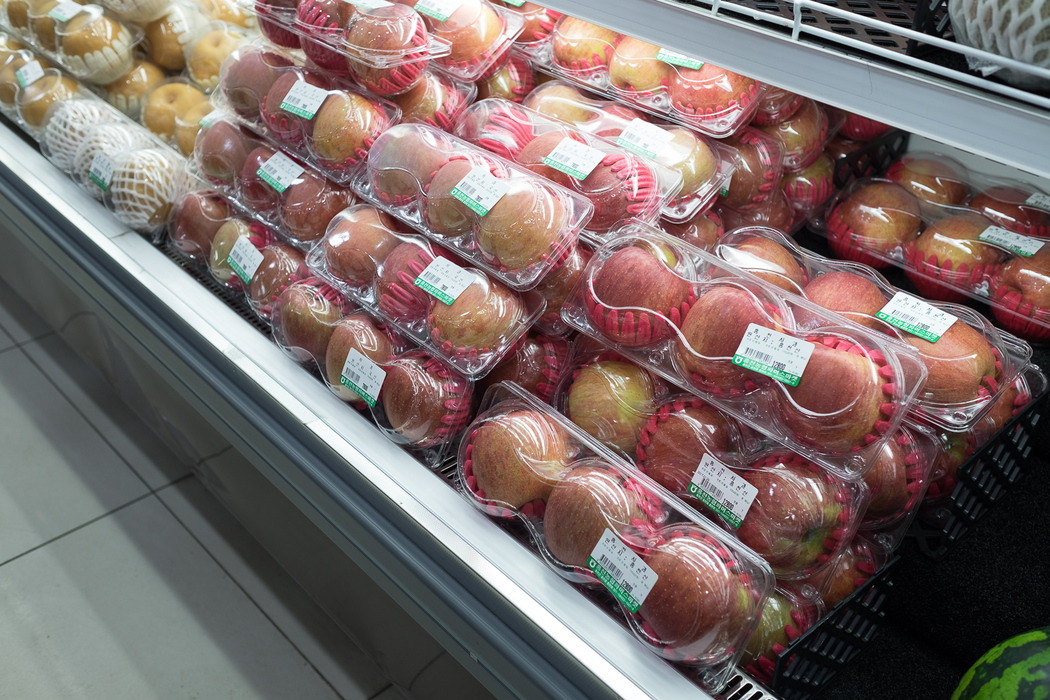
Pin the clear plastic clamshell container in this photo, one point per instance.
(687, 590)
(831, 390)
(95, 47)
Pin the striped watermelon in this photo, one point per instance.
(1017, 669)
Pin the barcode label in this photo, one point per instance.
(573, 158)
(773, 354)
(642, 137)
(438, 9)
(304, 99)
(1039, 201)
(209, 119)
(101, 171)
(369, 4)
(480, 190)
(280, 171)
(622, 571)
(29, 73)
(65, 11)
(719, 488)
(1015, 242)
(362, 376)
(677, 59)
(244, 258)
(444, 280)
(916, 317)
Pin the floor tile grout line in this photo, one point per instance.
(248, 595)
(78, 527)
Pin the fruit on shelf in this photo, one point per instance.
(560, 101)
(1005, 206)
(227, 11)
(839, 147)
(693, 158)
(42, 25)
(197, 219)
(1016, 667)
(250, 73)
(513, 81)
(516, 458)
(776, 105)
(221, 245)
(931, 180)
(851, 570)
(402, 163)
(358, 242)
(801, 136)
(281, 266)
(424, 402)
(582, 47)
(675, 440)
(558, 285)
(712, 332)
(168, 102)
(310, 204)
(766, 259)
(344, 129)
(786, 616)
(434, 100)
(798, 516)
(127, 93)
(710, 92)
(95, 47)
(360, 332)
(166, 37)
(954, 449)
(474, 31)
(187, 128)
(306, 319)
(392, 31)
(482, 320)
(68, 126)
(888, 482)
(702, 231)
(535, 365)
(9, 85)
(527, 226)
(961, 366)
(612, 400)
(949, 252)
(757, 174)
(285, 126)
(854, 296)
(276, 29)
(106, 139)
(636, 297)
(257, 194)
(209, 53)
(776, 212)
(843, 400)
(445, 215)
(586, 502)
(1021, 289)
(877, 216)
(34, 100)
(321, 24)
(398, 296)
(145, 186)
(810, 187)
(634, 68)
(861, 128)
(539, 21)
(222, 150)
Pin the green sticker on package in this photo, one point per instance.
(774, 354)
(573, 158)
(440, 10)
(678, 59)
(362, 376)
(644, 138)
(280, 172)
(244, 258)
(622, 571)
(719, 488)
(444, 280)
(1013, 242)
(480, 190)
(101, 171)
(916, 317)
(303, 99)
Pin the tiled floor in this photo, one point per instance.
(120, 575)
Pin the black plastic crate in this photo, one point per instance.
(989, 473)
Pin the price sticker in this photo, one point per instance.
(444, 280)
(773, 354)
(622, 571)
(1022, 245)
(280, 172)
(29, 73)
(514, 3)
(440, 10)
(209, 119)
(369, 4)
(678, 59)
(1039, 201)
(304, 99)
(101, 171)
(480, 190)
(720, 488)
(65, 11)
(244, 258)
(644, 138)
(573, 158)
(916, 317)
(362, 376)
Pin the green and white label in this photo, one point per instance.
(65, 11)
(622, 571)
(1015, 242)
(101, 171)
(209, 119)
(440, 10)
(1039, 201)
(29, 73)
(774, 354)
(480, 190)
(280, 172)
(642, 137)
(678, 59)
(369, 4)
(444, 280)
(573, 158)
(304, 99)
(916, 317)
(726, 169)
(244, 258)
(362, 376)
(515, 3)
(719, 488)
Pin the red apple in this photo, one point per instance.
(222, 149)
(561, 101)
(878, 216)
(1021, 290)
(482, 320)
(360, 332)
(197, 218)
(931, 180)
(851, 570)
(634, 67)
(306, 319)
(345, 128)
(887, 480)
(785, 617)
(358, 241)
(250, 73)
(527, 226)
(950, 251)
(611, 401)
(396, 292)
(257, 194)
(402, 163)
(854, 296)
(310, 205)
(802, 135)
(473, 32)
(582, 47)
(1005, 205)
(702, 231)
(281, 265)
(766, 259)
(535, 365)
(758, 169)
(424, 402)
(960, 366)
(392, 30)
(558, 285)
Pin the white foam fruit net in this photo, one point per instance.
(68, 126)
(145, 184)
(109, 139)
(1017, 29)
